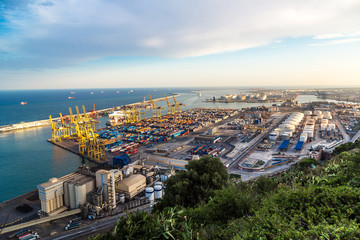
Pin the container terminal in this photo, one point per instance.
(135, 156)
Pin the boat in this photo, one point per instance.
(102, 92)
(117, 114)
(115, 117)
(72, 92)
(71, 97)
(91, 92)
(23, 103)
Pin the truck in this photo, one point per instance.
(72, 226)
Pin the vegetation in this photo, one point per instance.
(310, 201)
(346, 147)
(196, 185)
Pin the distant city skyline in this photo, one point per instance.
(49, 44)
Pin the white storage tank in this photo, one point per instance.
(149, 193)
(303, 137)
(158, 191)
(273, 135)
(310, 134)
(289, 126)
(122, 198)
(327, 115)
(286, 136)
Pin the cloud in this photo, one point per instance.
(60, 33)
(335, 42)
(338, 35)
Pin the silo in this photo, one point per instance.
(66, 194)
(90, 186)
(72, 198)
(80, 194)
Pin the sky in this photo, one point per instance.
(50, 44)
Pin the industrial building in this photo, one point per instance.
(77, 189)
(131, 185)
(51, 194)
(105, 180)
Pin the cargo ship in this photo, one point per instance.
(71, 97)
(23, 103)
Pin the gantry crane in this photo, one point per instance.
(55, 131)
(94, 147)
(66, 130)
(75, 123)
(170, 108)
(127, 116)
(89, 142)
(88, 120)
(136, 115)
(93, 113)
(156, 112)
(178, 106)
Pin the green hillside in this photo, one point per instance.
(310, 201)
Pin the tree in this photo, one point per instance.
(306, 163)
(196, 185)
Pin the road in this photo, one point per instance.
(96, 226)
(340, 126)
(232, 165)
(357, 135)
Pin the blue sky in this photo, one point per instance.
(112, 43)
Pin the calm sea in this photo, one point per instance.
(26, 159)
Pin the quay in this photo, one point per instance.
(45, 123)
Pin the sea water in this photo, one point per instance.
(27, 159)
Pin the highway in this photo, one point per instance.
(357, 135)
(232, 165)
(96, 226)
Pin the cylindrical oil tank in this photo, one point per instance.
(158, 191)
(149, 193)
(72, 198)
(163, 177)
(66, 194)
(122, 198)
(310, 134)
